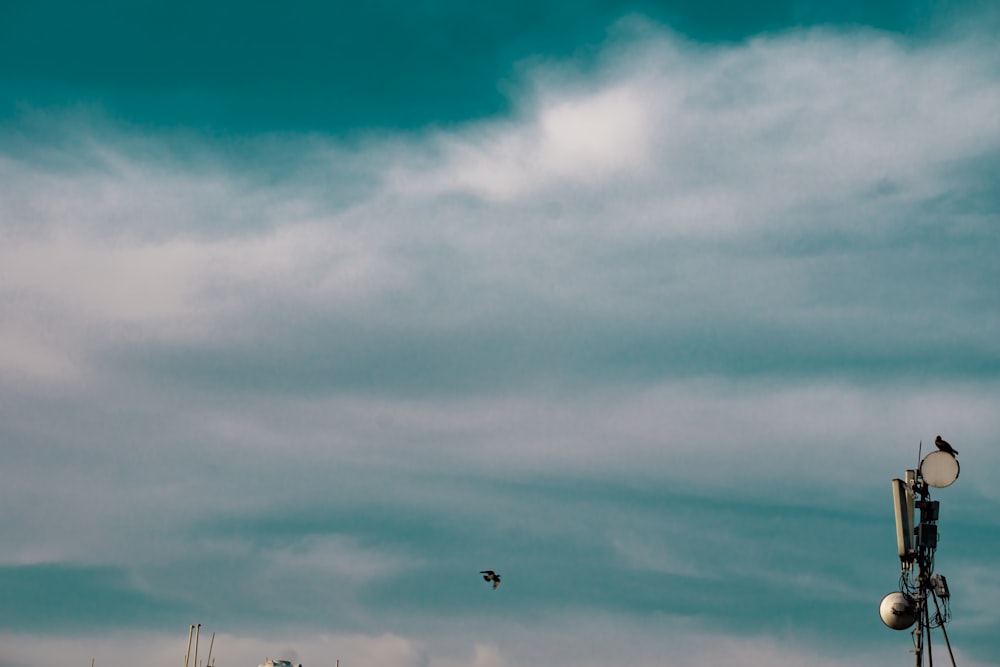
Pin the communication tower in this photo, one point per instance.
(919, 586)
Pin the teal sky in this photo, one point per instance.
(309, 314)
(230, 67)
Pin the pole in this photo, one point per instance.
(927, 618)
(197, 633)
(187, 655)
(922, 562)
(923, 572)
(947, 642)
(208, 660)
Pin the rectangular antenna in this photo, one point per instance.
(902, 504)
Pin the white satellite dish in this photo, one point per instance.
(898, 611)
(939, 469)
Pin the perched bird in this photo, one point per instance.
(944, 446)
(490, 575)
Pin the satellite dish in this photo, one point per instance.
(898, 611)
(939, 469)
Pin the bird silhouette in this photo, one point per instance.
(943, 445)
(490, 575)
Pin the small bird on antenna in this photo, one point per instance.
(490, 575)
(943, 445)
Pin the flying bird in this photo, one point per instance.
(490, 575)
(944, 446)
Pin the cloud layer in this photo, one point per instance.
(652, 344)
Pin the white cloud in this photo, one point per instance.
(582, 140)
(341, 556)
(87, 270)
(665, 142)
(692, 430)
(653, 554)
(163, 284)
(974, 588)
(567, 640)
(34, 353)
(115, 650)
(734, 137)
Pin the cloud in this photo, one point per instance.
(576, 141)
(678, 300)
(378, 650)
(728, 139)
(975, 589)
(595, 641)
(762, 207)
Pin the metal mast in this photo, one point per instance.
(919, 586)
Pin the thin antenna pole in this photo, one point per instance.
(187, 655)
(947, 642)
(197, 633)
(927, 618)
(208, 660)
(923, 615)
(918, 641)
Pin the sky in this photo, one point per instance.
(310, 312)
